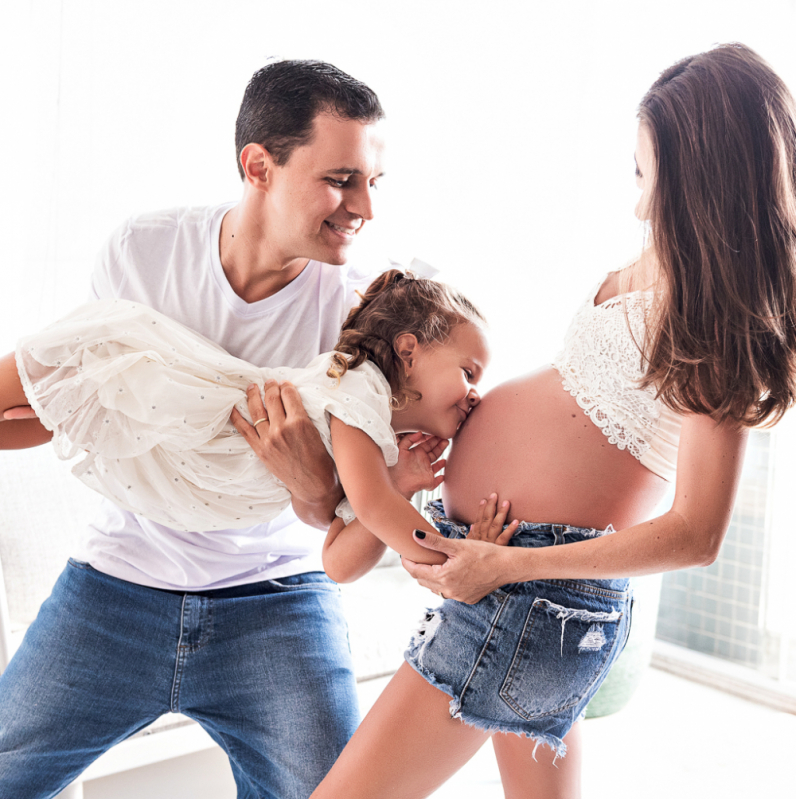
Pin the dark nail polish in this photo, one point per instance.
(420, 534)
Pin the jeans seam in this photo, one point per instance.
(576, 585)
(174, 704)
(480, 657)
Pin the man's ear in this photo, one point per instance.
(406, 345)
(257, 165)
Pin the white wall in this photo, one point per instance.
(512, 132)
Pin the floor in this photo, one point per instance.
(675, 739)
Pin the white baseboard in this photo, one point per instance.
(724, 676)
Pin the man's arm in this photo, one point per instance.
(291, 449)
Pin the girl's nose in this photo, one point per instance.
(473, 398)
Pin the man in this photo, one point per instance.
(238, 629)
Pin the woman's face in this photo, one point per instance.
(645, 171)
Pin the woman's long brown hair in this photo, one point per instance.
(723, 230)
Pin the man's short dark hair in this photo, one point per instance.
(283, 98)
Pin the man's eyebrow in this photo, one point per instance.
(348, 171)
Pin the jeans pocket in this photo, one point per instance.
(561, 655)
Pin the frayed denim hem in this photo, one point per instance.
(541, 738)
(429, 677)
(485, 725)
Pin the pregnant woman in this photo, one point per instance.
(665, 367)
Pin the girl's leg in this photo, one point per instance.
(405, 748)
(526, 778)
(18, 433)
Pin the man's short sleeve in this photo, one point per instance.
(109, 273)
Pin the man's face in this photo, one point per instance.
(318, 202)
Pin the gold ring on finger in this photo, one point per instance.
(260, 421)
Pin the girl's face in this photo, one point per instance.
(645, 171)
(446, 375)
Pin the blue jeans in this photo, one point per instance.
(264, 668)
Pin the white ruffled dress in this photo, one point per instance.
(149, 401)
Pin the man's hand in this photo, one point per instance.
(419, 464)
(286, 441)
(473, 568)
(20, 412)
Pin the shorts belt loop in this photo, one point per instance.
(558, 532)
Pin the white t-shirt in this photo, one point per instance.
(170, 261)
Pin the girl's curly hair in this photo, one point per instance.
(397, 303)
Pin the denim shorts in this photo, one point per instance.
(529, 656)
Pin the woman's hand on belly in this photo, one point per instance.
(473, 568)
(470, 572)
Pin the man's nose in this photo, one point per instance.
(361, 203)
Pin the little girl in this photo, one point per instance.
(149, 401)
(666, 366)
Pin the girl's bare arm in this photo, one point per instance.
(380, 509)
(690, 534)
(350, 551)
(17, 433)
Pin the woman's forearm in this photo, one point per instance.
(665, 543)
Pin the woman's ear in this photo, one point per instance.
(407, 347)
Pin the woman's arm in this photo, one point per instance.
(375, 500)
(17, 433)
(709, 465)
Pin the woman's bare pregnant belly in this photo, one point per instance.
(532, 443)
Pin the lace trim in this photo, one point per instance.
(601, 366)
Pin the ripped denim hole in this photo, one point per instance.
(426, 629)
(565, 614)
(594, 640)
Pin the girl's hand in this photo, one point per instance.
(418, 464)
(491, 519)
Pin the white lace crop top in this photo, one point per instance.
(601, 365)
